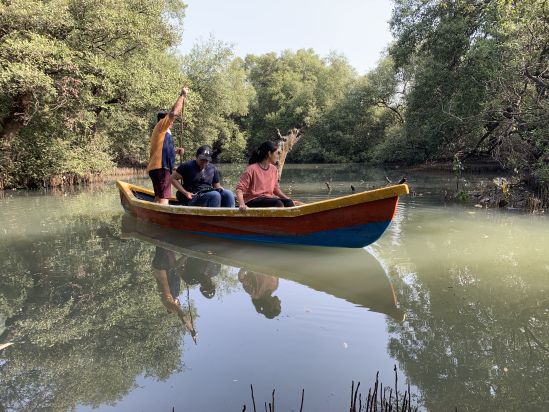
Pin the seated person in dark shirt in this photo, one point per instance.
(197, 182)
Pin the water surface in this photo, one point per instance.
(456, 297)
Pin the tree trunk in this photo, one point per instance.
(14, 121)
(10, 126)
(286, 143)
(10, 129)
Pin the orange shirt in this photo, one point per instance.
(256, 182)
(157, 141)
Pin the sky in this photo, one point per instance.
(358, 29)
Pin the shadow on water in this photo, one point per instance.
(350, 274)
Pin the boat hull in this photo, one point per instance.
(335, 223)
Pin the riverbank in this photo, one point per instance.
(501, 189)
(74, 179)
(503, 193)
(507, 191)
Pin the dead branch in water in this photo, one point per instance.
(285, 145)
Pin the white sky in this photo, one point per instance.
(358, 29)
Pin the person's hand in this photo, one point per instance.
(242, 207)
(189, 195)
(185, 91)
(298, 203)
(180, 151)
(172, 305)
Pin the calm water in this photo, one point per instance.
(456, 297)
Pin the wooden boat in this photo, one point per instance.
(350, 274)
(349, 221)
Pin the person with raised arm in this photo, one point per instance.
(163, 150)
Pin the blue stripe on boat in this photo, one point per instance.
(355, 236)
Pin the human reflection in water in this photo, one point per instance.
(200, 272)
(164, 269)
(261, 287)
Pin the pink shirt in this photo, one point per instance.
(256, 182)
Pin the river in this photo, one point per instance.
(456, 297)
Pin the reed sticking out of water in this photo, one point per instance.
(128, 171)
(253, 399)
(379, 399)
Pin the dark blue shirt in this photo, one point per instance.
(195, 179)
(168, 152)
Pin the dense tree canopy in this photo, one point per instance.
(480, 80)
(220, 99)
(81, 82)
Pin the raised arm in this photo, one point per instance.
(178, 106)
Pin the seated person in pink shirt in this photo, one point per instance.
(258, 185)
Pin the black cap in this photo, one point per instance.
(160, 115)
(204, 153)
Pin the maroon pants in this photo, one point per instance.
(161, 180)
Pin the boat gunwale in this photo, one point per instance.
(310, 208)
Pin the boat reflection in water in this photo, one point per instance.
(350, 274)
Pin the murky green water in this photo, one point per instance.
(456, 297)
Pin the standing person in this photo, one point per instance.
(197, 182)
(258, 185)
(163, 151)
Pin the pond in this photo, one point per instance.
(456, 297)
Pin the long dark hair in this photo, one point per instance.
(263, 151)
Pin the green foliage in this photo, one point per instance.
(80, 82)
(292, 90)
(220, 100)
(75, 76)
(396, 148)
(342, 113)
(479, 79)
(358, 121)
(462, 197)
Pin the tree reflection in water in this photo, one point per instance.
(476, 334)
(85, 317)
(83, 305)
